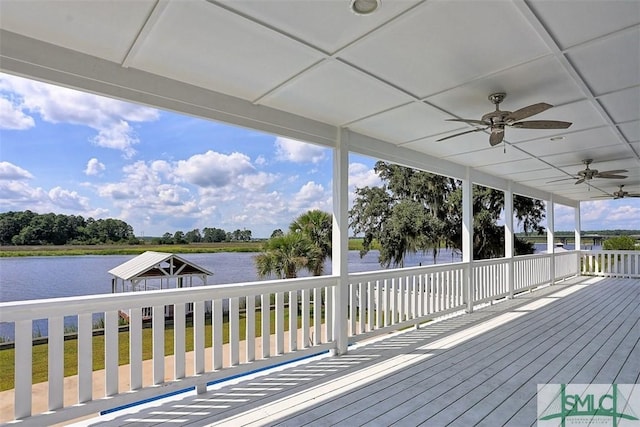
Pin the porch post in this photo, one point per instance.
(467, 238)
(551, 241)
(578, 238)
(577, 231)
(508, 237)
(340, 240)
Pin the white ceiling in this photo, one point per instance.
(304, 68)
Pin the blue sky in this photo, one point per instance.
(70, 152)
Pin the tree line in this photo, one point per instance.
(29, 228)
(208, 235)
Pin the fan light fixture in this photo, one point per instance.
(365, 7)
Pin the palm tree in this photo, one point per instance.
(316, 225)
(284, 256)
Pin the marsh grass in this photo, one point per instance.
(73, 250)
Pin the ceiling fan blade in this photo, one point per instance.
(613, 172)
(528, 111)
(580, 181)
(461, 133)
(610, 176)
(541, 124)
(497, 135)
(471, 121)
(558, 180)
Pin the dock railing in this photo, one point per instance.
(301, 321)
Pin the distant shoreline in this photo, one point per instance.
(193, 248)
(78, 250)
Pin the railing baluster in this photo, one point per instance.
(379, 304)
(352, 309)
(135, 348)
(85, 357)
(23, 368)
(250, 328)
(234, 331)
(293, 320)
(111, 352)
(370, 306)
(265, 314)
(362, 304)
(279, 323)
(216, 332)
(306, 313)
(317, 316)
(56, 363)
(328, 313)
(158, 344)
(198, 338)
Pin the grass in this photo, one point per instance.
(40, 352)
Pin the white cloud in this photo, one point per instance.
(109, 117)
(213, 169)
(12, 116)
(361, 175)
(17, 195)
(621, 214)
(119, 136)
(67, 199)
(94, 167)
(260, 161)
(290, 150)
(9, 171)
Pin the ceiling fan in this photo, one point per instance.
(620, 194)
(497, 120)
(588, 174)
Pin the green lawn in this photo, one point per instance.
(40, 352)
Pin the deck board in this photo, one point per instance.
(466, 370)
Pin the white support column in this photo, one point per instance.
(577, 230)
(508, 236)
(551, 247)
(578, 239)
(467, 238)
(340, 239)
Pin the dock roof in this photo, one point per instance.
(152, 264)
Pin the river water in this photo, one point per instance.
(28, 278)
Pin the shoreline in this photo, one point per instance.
(79, 250)
(193, 248)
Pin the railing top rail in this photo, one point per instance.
(379, 274)
(42, 308)
(605, 251)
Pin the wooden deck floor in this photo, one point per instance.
(476, 369)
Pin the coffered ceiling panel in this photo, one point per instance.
(219, 50)
(450, 43)
(592, 19)
(112, 30)
(621, 105)
(611, 63)
(340, 94)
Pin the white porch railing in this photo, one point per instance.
(610, 263)
(378, 302)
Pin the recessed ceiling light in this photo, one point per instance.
(557, 138)
(364, 7)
